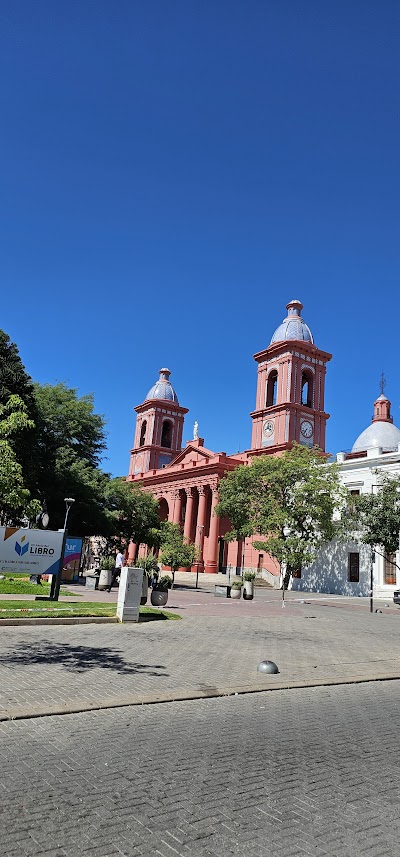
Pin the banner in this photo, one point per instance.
(72, 558)
(25, 551)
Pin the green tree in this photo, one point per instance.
(14, 381)
(15, 500)
(132, 513)
(376, 516)
(69, 439)
(175, 552)
(287, 502)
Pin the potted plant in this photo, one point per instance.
(236, 587)
(149, 564)
(248, 586)
(107, 565)
(159, 593)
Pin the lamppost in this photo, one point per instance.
(56, 579)
(68, 503)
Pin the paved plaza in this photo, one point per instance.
(213, 650)
(223, 766)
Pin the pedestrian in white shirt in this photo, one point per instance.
(119, 561)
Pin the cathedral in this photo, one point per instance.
(289, 406)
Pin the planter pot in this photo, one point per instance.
(235, 592)
(248, 590)
(105, 578)
(159, 597)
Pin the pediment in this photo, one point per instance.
(193, 453)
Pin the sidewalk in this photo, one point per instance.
(51, 670)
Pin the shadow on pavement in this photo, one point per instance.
(77, 659)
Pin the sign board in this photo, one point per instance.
(129, 594)
(26, 551)
(72, 558)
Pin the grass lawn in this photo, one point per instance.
(29, 609)
(21, 586)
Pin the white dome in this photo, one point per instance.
(383, 434)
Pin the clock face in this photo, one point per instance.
(45, 520)
(268, 428)
(306, 428)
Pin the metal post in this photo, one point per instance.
(200, 557)
(56, 579)
(371, 581)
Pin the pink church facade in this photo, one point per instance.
(289, 407)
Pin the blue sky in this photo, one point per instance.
(173, 173)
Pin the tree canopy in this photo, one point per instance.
(175, 551)
(67, 444)
(14, 379)
(287, 502)
(376, 516)
(15, 500)
(132, 513)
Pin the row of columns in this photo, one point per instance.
(207, 546)
(209, 562)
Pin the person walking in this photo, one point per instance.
(119, 561)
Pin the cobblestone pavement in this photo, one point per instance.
(52, 669)
(287, 774)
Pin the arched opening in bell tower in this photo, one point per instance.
(143, 433)
(166, 435)
(307, 389)
(272, 388)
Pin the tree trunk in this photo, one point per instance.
(290, 572)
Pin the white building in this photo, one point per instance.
(345, 568)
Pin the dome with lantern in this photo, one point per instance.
(293, 326)
(163, 388)
(381, 433)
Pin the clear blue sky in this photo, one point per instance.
(173, 173)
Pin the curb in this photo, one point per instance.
(21, 713)
(61, 620)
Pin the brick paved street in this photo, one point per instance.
(44, 669)
(286, 774)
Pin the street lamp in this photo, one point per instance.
(68, 503)
(56, 579)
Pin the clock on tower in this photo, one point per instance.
(290, 389)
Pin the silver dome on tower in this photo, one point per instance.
(163, 389)
(293, 326)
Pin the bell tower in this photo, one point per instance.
(290, 389)
(159, 428)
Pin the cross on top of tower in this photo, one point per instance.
(382, 384)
